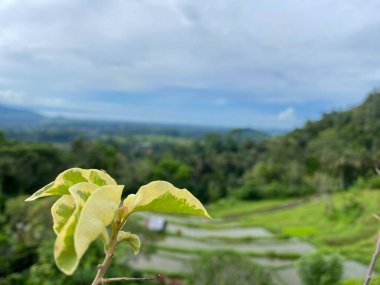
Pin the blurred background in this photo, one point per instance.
(268, 112)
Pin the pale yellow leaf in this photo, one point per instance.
(70, 177)
(98, 212)
(132, 239)
(162, 196)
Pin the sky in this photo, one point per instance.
(235, 63)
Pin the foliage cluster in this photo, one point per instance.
(26, 243)
(317, 269)
(342, 145)
(225, 268)
(210, 168)
(90, 208)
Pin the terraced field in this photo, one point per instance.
(187, 237)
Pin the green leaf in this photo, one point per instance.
(61, 211)
(64, 207)
(70, 177)
(65, 256)
(162, 196)
(132, 239)
(95, 208)
(82, 191)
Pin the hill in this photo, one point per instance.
(347, 142)
(331, 153)
(355, 128)
(29, 126)
(11, 116)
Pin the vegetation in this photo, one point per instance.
(351, 230)
(330, 154)
(210, 168)
(374, 281)
(317, 182)
(225, 268)
(342, 145)
(90, 202)
(316, 269)
(27, 241)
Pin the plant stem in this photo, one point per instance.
(102, 268)
(372, 264)
(125, 279)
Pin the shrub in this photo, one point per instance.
(316, 269)
(226, 268)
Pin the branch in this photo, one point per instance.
(372, 264)
(102, 268)
(126, 279)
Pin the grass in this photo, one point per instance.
(229, 207)
(349, 229)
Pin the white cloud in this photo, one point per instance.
(289, 51)
(233, 45)
(286, 115)
(11, 97)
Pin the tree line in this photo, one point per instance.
(337, 151)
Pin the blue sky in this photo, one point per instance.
(239, 63)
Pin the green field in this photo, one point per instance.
(296, 227)
(349, 228)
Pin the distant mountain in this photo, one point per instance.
(11, 116)
(30, 126)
